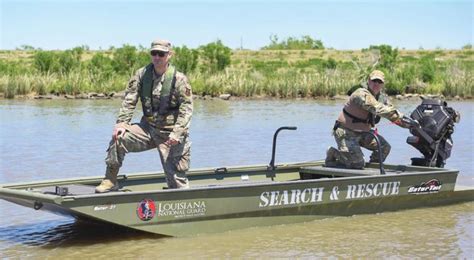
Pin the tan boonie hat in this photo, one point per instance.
(377, 74)
(160, 45)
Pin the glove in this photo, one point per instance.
(407, 122)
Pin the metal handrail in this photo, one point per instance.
(271, 167)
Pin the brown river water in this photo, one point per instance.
(49, 139)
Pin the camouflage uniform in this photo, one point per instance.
(154, 131)
(351, 134)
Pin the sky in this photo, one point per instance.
(408, 24)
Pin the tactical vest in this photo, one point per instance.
(355, 118)
(167, 90)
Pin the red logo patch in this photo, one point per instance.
(146, 209)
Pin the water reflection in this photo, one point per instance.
(69, 232)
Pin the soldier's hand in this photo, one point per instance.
(118, 133)
(406, 122)
(171, 142)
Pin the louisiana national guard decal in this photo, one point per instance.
(146, 209)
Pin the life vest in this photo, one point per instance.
(167, 90)
(355, 117)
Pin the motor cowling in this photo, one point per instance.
(433, 135)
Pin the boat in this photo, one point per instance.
(235, 197)
(230, 198)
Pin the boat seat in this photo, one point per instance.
(317, 172)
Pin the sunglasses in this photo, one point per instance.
(378, 81)
(159, 53)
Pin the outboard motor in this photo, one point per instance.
(432, 137)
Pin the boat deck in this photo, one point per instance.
(129, 184)
(220, 177)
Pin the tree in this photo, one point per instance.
(292, 43)
(467, 47)
(26, 47)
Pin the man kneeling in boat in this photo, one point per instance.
(363, 110)
(167, 104)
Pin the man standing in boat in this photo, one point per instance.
(360, 114)
(167, 104)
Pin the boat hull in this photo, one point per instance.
(316, 193)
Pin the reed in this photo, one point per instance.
(275, 73)
(458, 81)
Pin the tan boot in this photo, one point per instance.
(105, 186)
(182, 182)
(109, 183)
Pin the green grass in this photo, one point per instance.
(276, 73)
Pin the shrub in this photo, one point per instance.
(185, 59)
(427, 68)
(126, 59)
(44, 61)
(330, 63)
(268, 67)
(14, 68)
(216, 56)
(67, 61)
(101, 64)
(407, 75)
(388, 56)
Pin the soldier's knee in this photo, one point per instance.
(115, 156)
(182, 162)
(113, 163)
(181, 157)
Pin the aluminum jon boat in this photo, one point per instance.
(228, 198)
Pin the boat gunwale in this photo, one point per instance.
(199, 172)
(250, 184)
(152, 175)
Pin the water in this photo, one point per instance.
(43, 140)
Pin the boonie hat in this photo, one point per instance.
(160, 45)
(377, 74)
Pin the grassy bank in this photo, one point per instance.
(276, 73)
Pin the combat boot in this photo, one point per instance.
(331, 157)
(109, 183)
(106, 185)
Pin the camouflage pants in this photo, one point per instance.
(141, 137)
(349, 152)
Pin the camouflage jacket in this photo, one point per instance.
(177, 120)
(361, 103)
